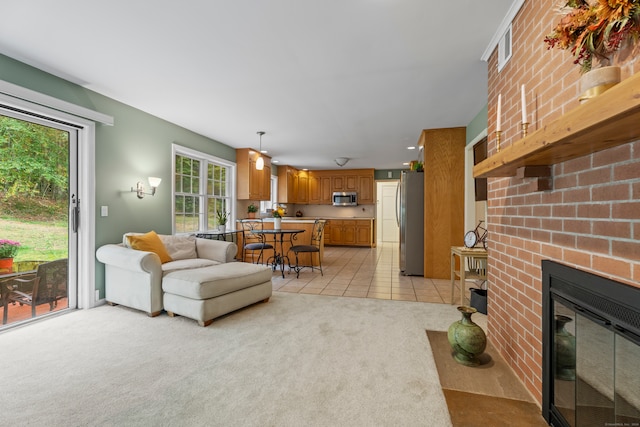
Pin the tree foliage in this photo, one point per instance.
(34, 160)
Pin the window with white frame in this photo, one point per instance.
(203, 189)
(504, 48)
(267, 205)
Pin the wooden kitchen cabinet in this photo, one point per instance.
(293, 185)
(344, 183)
(360, 181)
(319, 188)
(326, 195)
(287, 185)
(327, 232)
(364, 236)
(343, 232)
(349, 232)
(301, 185)
(366, 189)
(315, 185)
(252, 184)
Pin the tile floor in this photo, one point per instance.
(366, 273)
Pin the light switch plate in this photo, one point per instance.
(104, 210)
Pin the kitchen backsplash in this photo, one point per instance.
(360, 211)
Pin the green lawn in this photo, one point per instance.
(39, 240)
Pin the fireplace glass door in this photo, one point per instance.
(594, 366)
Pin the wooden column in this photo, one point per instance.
(443, 197)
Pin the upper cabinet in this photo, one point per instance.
(301, 187)
(319, 188)
(293, 185)
(366, 188)
(287, 177)
(316, 187)
(253, 184)
(346, 181)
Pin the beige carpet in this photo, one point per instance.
(299, 360)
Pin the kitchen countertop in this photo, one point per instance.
(312, 218)
(306, 219)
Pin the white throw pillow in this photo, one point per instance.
(180, 247)
(125, 241)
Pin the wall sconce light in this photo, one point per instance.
(260, 160)
(154, 182)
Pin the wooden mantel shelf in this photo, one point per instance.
(611, 119)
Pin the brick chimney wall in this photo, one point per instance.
(589, 220)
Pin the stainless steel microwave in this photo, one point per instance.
(345, 199)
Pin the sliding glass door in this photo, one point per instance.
(38, 216)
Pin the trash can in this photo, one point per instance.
(479, 299)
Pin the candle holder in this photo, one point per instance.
(525, 128)
(498, 135)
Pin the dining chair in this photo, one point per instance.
(46, 286)
(253, 241)
(312, 248)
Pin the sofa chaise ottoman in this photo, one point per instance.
(205, 293)
(134, 277)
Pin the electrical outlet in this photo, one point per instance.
(97, 295)
(104, 210)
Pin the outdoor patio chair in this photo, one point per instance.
(46, 286)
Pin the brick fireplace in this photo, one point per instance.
(589, 219)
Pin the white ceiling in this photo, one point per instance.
(324, 78)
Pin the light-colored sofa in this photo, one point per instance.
(202, 281)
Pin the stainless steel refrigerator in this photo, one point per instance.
(410, 217)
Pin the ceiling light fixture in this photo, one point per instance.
(260, 160)
(341, 161)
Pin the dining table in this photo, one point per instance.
(279, 257)
(219, 234)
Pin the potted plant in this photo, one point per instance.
(277, 213)
(596, 29)
(8, 250)
(222, 217)
(251, 210)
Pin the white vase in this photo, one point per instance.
(277, 223)
(222, 228)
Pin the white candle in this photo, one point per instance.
(524, 107)
(498, 129)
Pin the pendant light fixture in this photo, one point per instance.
(260, 160)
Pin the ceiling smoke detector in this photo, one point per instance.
(341, 161)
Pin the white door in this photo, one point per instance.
(388, 230)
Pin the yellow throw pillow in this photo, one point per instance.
(150, 242)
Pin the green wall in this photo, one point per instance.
(382, 174)
(478, 124)
(137, 146)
